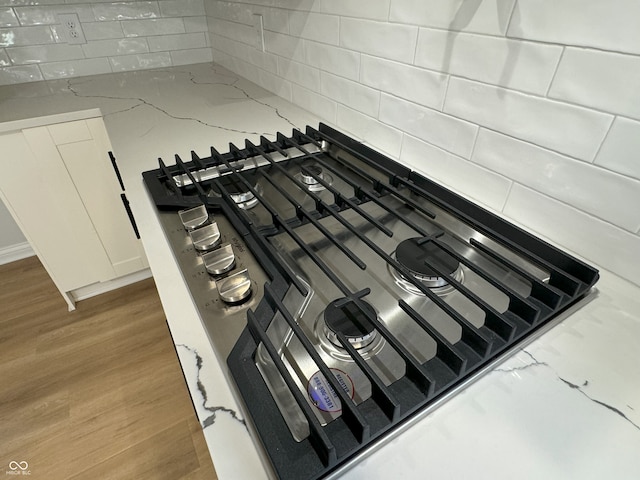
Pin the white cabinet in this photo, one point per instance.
(59, 185)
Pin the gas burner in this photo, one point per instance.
(306, 176)
(348, 319)
(239, 192)
(416, 256)
(245, 201)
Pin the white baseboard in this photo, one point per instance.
(89, 291)
(16, 252)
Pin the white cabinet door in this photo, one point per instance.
(83, 146)
(58, 184)
(44, 202)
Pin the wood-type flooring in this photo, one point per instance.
(92, 394)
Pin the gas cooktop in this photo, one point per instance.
(348, 294)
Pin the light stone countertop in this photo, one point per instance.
(566, 406)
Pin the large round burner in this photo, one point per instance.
(349, 320)
(417, 256)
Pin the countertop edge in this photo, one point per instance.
(15, 125)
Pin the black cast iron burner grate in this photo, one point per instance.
(373, 180)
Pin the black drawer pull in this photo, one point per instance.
(125, 202)
(115, 167)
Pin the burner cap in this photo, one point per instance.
(306, 176)
(412, 254)
(349, 320)
(239, 192)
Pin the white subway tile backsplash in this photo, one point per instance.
(235, 31)
(447, 132)
(603, 80)
(370, 130)
(4, 59)
(8, 18)
(304, 5)
(242, 68)
(25, 36)
(308, 77)
(350, 93)
(140, 61)
(195, 24)
(264, 60)
(154, 26)
(610, 25)
(20, 74)
(33, 23)
(620, 151)
(233, 11)
(373, 10)
(181, 8)
(284, 45)
(120, 46)
(44, 53)
(481, 16)
(598, 241)
(275, 84)
(339, 61)
(226, 61)
(75, 68)
(188, 57)
(558, 126)
(315, 103)
(412, 83)
(58, 33)
(488, 80)
(48, 15)
(16, 3)
(183, 41)
(126, 10)
(315, 26)
(516, 64)
(274, 19)
(229, 46)
(592, 189)
(393, 41)
(472, 181)
(101, 30)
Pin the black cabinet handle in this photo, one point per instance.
(125, 202)
(115, 167)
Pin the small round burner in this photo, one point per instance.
(239, 192)
(245, 200)
(417, 256)
(352, 322)
(308, 173)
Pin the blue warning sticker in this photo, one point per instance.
(323, 396)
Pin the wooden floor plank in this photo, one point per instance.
(94, 393)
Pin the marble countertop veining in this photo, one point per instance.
(565, 406)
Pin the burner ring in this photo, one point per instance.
(244, 200)
(405, 284)
(352, 322)
(416, 255)
(307, 178)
